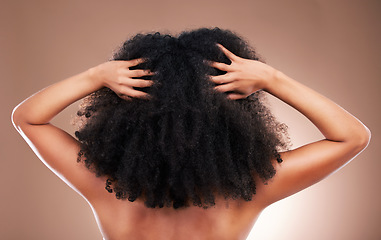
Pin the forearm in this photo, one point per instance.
(41, 107)
(334, 122)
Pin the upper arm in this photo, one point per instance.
(307, 165)
(58, 150)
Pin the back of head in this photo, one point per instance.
(188, 144)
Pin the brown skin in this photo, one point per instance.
(345, 137)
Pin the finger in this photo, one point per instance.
(134, 62)
(235, 96)
(228, 54)
(140, 73)
(229, 87)
(141, 83)
(134, 93)
(133, 82)
(221, 79)
(125, 97)
(220, 66)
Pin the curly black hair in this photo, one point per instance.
(188, 143)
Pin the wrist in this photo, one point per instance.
(283, 87)
(272, 80)
(94, 77)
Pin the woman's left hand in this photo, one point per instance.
(243, 76)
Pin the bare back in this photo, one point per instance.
(121, 219)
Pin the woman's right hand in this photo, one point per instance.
(243, 77)
(117, 76)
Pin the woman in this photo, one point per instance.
(176, 125)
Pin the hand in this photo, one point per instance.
(117, 76)
(243, 77)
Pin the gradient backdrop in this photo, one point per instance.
(331, 46)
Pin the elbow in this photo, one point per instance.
(16, 117)
(362, 139)
(367, 137)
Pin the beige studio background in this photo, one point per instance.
(331, 46)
